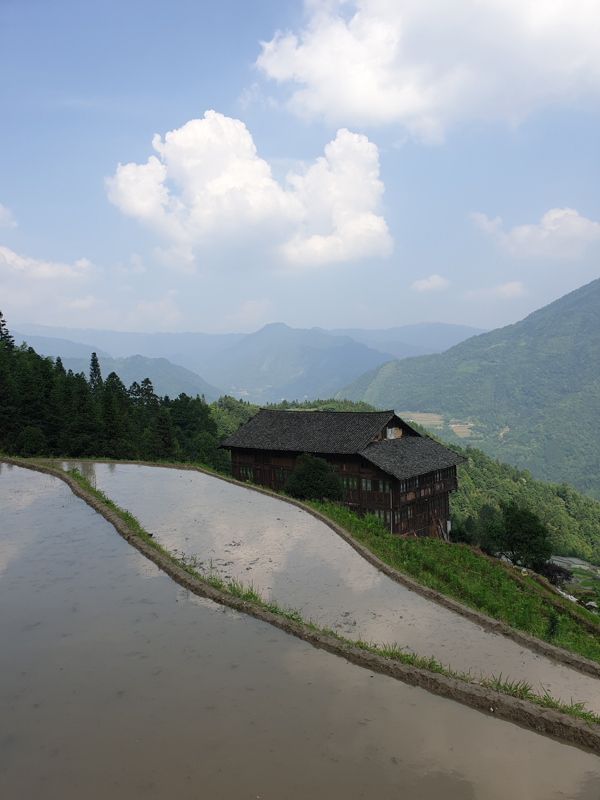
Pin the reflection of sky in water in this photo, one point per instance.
(301, 562)
(118, 687)
(18, 496)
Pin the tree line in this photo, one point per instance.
(46, 410)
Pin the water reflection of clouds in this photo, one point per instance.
(20, 489)
(302, 563)
(119, 673)
(457, 753)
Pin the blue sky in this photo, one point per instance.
(364, 164)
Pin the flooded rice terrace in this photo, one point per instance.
(289, 555)
(115, 682)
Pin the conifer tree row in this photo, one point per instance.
(45, 410)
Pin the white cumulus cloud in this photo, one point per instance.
(6, 218)
(560, 233)
(208, 187)
(13, 264)
(508, 290)
(432, 283)
(426, 64)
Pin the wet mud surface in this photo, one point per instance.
(115, 682)
(289, 555)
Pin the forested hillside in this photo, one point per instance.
(530, 392)
(573, 521)
(46, 410)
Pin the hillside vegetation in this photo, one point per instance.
(530, 391)
(573, 521)
(46, 410)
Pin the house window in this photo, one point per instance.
(384, 516)
(366, 484)
(390, 433)
(407, 513)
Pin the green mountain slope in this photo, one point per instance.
(529, 393)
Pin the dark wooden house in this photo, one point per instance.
(387, 468)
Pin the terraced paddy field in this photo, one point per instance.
(289, 555)
(115, 682)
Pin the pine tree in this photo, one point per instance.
(95, 375)
(5, 335)
(147, 394)
(162, 444)
(135, 393)
(117, 419)
(84, 431)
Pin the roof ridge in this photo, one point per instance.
(285, 411)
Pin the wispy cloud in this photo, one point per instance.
(6, 218)
(502, 291)
(431, 284)
(561, 233)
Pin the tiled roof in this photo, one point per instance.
(410, 455)
(311, 431)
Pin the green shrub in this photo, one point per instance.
(32, 442)
(314, 479)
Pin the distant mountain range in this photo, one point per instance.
(411, 340)
(278, 362)
(527, 394)
(275, 363)
(167, 378)
(53, 346)
(190, 350)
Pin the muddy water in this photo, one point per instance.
(301, 562)
(116, 683)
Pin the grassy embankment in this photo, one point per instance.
(236, 588)
(477, 581)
